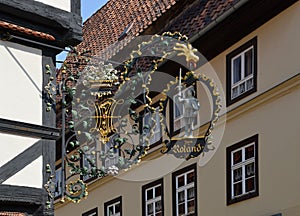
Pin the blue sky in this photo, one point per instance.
(88, 8)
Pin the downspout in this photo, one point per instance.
(218, 20)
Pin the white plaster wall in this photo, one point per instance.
(30, 176)
(21, 83)
(12, 146)
(61, 4)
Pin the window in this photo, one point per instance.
(242, 170)
(184, 192)
(113, 207)
(93, 212)
(178, 111)
(112, 154)
(153, 120)
(58, 182)
(241, 71)
(152, 196)
(88, 159)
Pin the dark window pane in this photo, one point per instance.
(249, 152)
(191, 206)
(238, 190)
(150, 208)
(236, 70)
(181, 209)
(248, 62)
(237, 175)
(149, 194)
(178, 110)
(250, 185)
(235, 92)
(190, 177)
(242, 88)
(111, 210)
(158, 214)
(117, 208)
(158, 191)
(181, 197)
(237, 157)
(249, 84)
(158, 206)
(180, 181)
(250, 170)
(190, 193)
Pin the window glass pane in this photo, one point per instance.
(237, 157)
(237, 189)
(235, 92)
(177, 107)
(158, 191)
(250, 170)
(150, 194)
(249, 152)
(150, 208)
(181, 197)
(117, 208)
(250, 184)
(190, 193)
(190, 177)
(180, 181)
(237, 175)
(242, 87)
(181, 209)
(191, 206)
(249, 83)
(248, 62)
(236, 73)
(158, 214)
(111, 210)
(158, 206)
(58, 180)
(157, 119)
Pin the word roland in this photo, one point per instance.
(187, 148)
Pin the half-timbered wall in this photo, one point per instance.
(62, 4)
(21, 87)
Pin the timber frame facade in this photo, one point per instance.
(32, 33)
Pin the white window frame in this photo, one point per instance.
(157, 130)
(244, 79)
(153, 201)
(180, 107)
(114, 209)
(242, 165)
(93, 212)
(185, 189)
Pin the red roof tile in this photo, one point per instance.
(27, 31)
(107, 24)
(198, 15)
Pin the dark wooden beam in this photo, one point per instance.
(26, 129)
(20, 161)
(20, 194)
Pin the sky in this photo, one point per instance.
(88, 8)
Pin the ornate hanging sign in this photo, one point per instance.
(190, 143)
(103, 128)
(180, 138)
